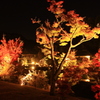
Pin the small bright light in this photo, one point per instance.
(33, 62)
(87, 80)
(36, 63)
(87, 57)
(32, 68)
(21, 84)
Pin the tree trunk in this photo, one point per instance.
(52, 81)
(53, 70)
(52, 88)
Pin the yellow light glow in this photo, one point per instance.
(33, 63)
(32, 67)
(7, 58)
(87, 57)
(37, 63)
(21, 84)
(87, 80)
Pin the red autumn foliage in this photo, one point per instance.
(71, 76)
(96, 89)
(96, 60)
(56, 7)
(96, 75)
(9, 53)
(97, 96)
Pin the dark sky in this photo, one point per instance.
(15, 16)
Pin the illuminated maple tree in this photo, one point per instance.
(9, 53)
(64, 30)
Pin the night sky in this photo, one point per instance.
(15, 16)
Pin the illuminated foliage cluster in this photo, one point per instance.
(70, 19)
(49, 34)
(64, 30)
(9, 52)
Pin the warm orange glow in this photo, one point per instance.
(32, 67)
(86, 80)
(33, 63)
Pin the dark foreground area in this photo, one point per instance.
(11, 91)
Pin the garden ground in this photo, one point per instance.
(11, 91)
